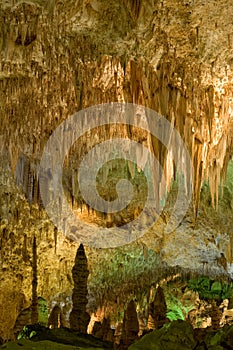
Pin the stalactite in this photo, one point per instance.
(198, 176)
(34, 315)
(79, 318)
(35, 192)
(25, 251)
(55, 239)
(134, 7)
(26, 167)
(157, 311)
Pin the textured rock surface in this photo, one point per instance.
(166, 62)
(177, 336)
(25, 316)
(59, 337)
(59, 57)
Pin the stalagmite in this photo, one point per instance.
(118, 334)
(55, 318)
(215, 315)
(106, 329)
(130, 326)
(79, 318)
(34, 312)
(157, 310)
(97, 330)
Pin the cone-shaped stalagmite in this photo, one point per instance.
(130, 326)
(79, 318)
(157, 311)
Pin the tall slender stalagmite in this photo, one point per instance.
(79, 318)
(34, 315)
(157, 311)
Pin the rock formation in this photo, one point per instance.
(79, 318)
(106, 329)
(97, 330)
(157, 310)
(130, 326)
(55, 318)
(215, 315)
(26, 317)
(118, 334)
(60, 57)
(34, 284)
(179, 335)
(153, 70)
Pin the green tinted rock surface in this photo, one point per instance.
(178, 335)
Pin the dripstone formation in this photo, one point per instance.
(61, 57)
(79, 318)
